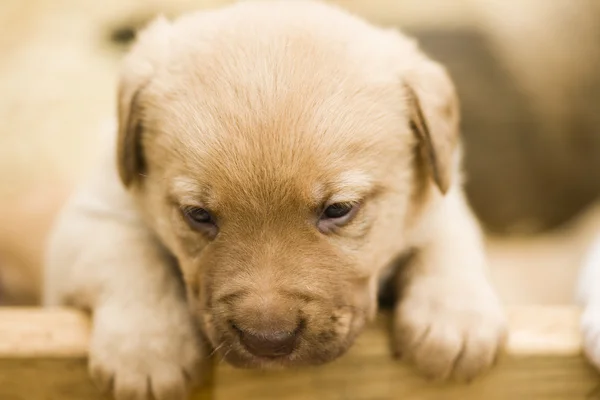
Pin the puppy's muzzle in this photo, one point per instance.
(269, 343)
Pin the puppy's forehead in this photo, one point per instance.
(281, 112)
(291, 153)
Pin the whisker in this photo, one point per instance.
(222, 360)
(219, 347)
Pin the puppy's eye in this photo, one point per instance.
(199, 219)
(336, 215)
(197, 215)
(337, 210)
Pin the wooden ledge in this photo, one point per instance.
(43, 357)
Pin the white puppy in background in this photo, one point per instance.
(589, 298)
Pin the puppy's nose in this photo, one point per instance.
(269, 343)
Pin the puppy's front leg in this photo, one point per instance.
(102, 257)
(448, 320)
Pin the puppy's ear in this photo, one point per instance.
(139, 66)
(434, 118)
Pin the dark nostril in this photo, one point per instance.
(268, 343)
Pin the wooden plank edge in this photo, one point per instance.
(543, 348)
(62, 332)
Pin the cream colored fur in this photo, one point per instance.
(264, 113)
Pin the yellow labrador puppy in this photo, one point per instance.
(272, 160)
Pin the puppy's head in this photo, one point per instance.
(281, 151)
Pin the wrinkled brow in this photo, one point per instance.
(190, 192)
(349, 186)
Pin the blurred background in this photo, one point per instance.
(527, 72)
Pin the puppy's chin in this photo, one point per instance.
(240, 358)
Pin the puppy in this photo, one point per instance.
(272, 160)
(589, 299)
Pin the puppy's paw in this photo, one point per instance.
(448, 330)
(590, 326)
(144, 354)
